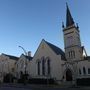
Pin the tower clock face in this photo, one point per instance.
(69, 41)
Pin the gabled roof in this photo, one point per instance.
(12, 57)
(57, 50)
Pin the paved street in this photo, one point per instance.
(38, 87)
(13, 88)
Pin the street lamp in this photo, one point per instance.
(23, 50)
(26, 58)
(25, 65)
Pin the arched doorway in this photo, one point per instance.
(68, 75)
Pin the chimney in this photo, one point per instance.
(29, 53)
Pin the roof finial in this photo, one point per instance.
(62, 24)
(77, 26)
(69, 19)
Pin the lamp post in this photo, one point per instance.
(26, 57)
(25, 65)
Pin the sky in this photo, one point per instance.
(26, 22)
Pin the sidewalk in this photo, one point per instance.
(42, 86)
(31, 85)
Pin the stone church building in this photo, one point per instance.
(50, 61)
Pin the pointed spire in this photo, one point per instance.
(69, 19)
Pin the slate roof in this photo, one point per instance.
(87, 58)
(57, 50)
(12, 57)
(29, 58)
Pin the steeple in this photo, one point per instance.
(69, 19)
(72, 42)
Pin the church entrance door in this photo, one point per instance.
(68, 75)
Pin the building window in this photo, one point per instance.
(43, 66)
(84, 70)
(79, 71)
(69, 55)
(48, 66)
(88, 70)
(22, 64)
(38, 67)
(72, 54)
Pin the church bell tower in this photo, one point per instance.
(72, 42)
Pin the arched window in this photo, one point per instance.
(69, 54)
(79, 71)
(72, 54)
(38, 67)
(84, 70)
(43, 66)
(88, 70)
(48, 66)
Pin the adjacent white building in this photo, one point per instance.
(7, 65)
(22, 64)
